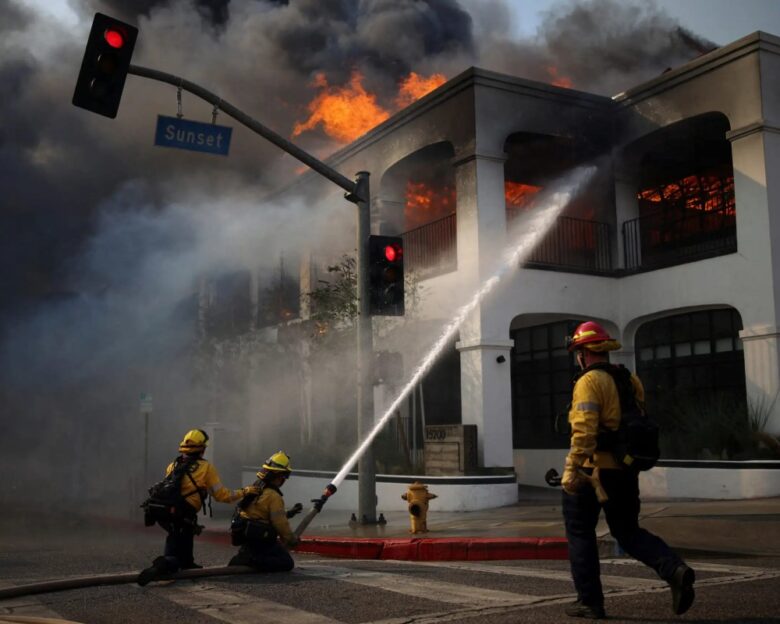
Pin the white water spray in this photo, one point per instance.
(550, 206)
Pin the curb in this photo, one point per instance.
(426, 548)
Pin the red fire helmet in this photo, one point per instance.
(591, 333)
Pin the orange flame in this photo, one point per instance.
(344, 112)
(426, 203)
(519, 195)
(414, 86)
(347, 112)
(557, 80)
(708, 192)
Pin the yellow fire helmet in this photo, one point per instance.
(279, 462)
(194, 441)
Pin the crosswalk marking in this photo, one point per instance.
(462, 601)
(540, 573)
(26, 606)
(236, 607)
(430, 589)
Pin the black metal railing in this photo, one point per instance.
(664, 239)
(431, 249)
(575, 245)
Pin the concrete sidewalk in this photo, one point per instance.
(748, 527)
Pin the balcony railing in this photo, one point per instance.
(576, 245)
(663, 239)
(431, 249)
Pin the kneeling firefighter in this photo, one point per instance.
(260, 525)
(175, 501)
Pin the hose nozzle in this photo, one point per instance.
(329, 491)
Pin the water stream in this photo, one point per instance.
(538, 224)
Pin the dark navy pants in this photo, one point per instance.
(581, 513)
(266, 556)
(179, 545)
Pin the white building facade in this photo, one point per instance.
(672, 249)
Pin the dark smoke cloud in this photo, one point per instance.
(602, 46)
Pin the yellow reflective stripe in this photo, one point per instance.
(590, 332)
(588, 407)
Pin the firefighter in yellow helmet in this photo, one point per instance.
(261, 525)
(595, 407)
(175, 501)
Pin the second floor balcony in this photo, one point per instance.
(584, 246)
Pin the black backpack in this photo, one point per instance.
(635, 444)
(166, 504)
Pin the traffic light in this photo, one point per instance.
(104, 68)
(386, 275)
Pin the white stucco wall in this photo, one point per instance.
(478, 110)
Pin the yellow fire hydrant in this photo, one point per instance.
(418, 496)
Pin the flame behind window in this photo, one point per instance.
(426, 202)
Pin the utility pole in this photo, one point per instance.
(357, 192)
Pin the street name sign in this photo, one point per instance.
(190, 135)
(146, 403)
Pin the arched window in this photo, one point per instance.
(692, 368)
(542, 373)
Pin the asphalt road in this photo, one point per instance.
(321, 591)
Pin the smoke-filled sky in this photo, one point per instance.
(59, 165)
(101, 233)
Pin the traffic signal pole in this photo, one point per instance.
(365, 388)
(296, 152)
(358, 192)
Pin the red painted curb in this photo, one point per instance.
(437, 549)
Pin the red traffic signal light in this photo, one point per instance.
(104, 68)
(393, 252)
(386, 275)
(114, 38)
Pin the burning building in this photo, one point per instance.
(672, 247)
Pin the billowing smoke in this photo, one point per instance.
(103, 237)
(600, 46)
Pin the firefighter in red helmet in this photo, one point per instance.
(595, 408)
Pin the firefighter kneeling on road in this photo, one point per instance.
(175, 501)
(261, 520)
(596, 411)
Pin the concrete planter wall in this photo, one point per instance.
(454, 493)
(712, 479)
(672, 478)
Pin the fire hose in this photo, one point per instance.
(114, 579)
(553, 479)
(131, 577)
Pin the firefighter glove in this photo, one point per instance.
(572, 481)
(294, 510)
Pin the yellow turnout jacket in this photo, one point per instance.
(596, 404)
(269, 508)
(206, 480)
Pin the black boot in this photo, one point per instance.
(160, 568)
(590, 612)
(682, 589)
